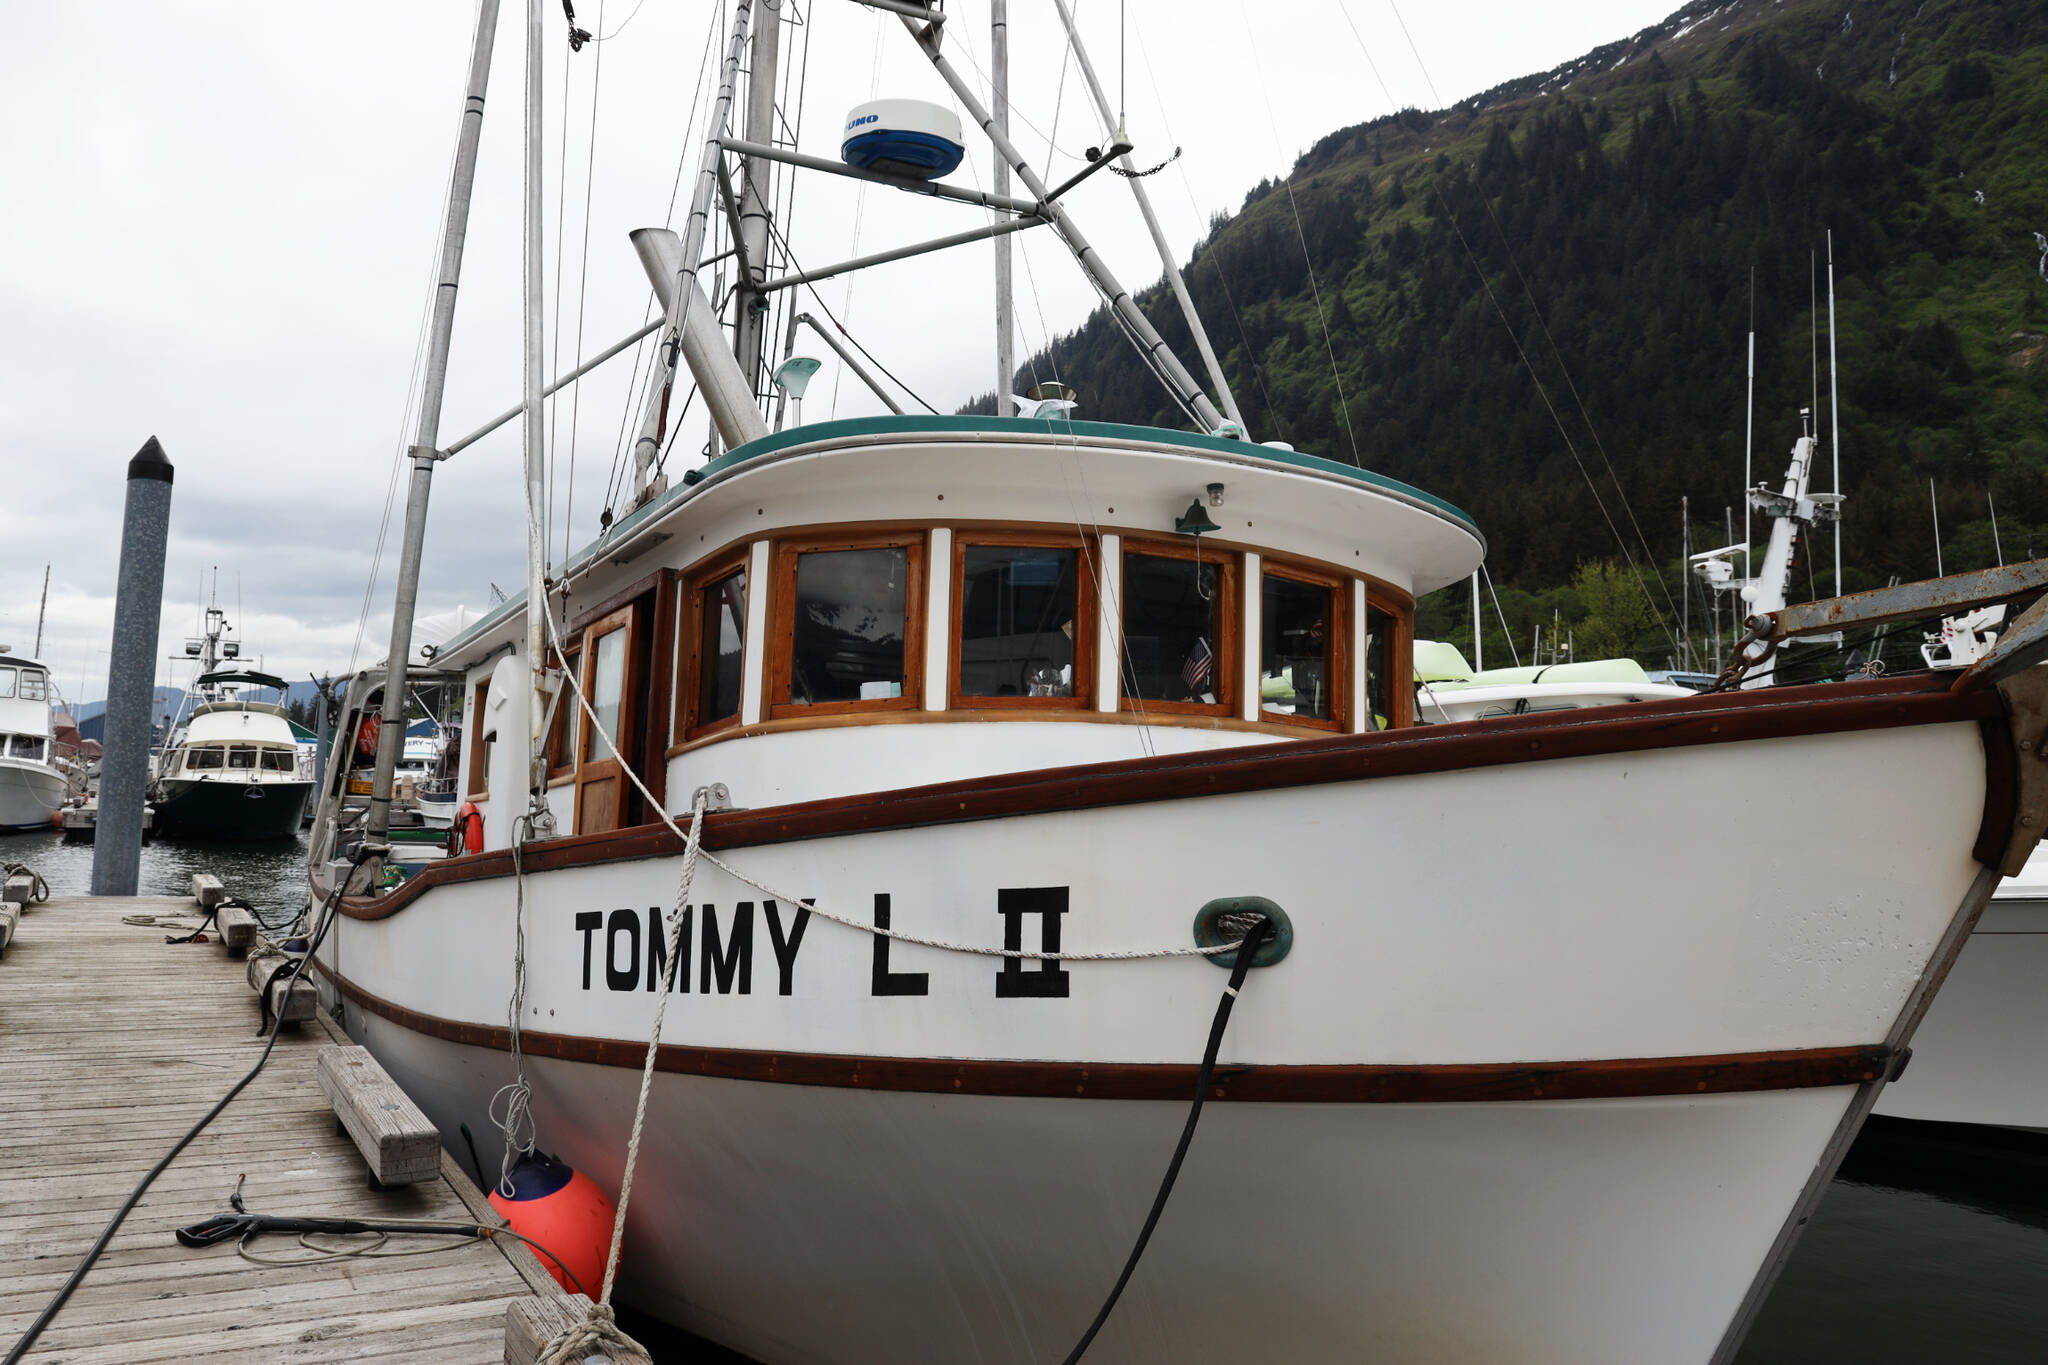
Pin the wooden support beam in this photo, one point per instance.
(10, 916)
(402, 1146)
(300, 1005)
(530, 1324)
(237, 928)
(19, 888)
(207, 890)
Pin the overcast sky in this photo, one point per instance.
(220, 223)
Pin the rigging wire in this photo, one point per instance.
(860, 204)
(1542, 392)
(583, 277)
(1294, 210)
(775, 231)
(1274, 420)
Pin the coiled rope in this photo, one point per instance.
(39, 890)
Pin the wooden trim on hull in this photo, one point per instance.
(1487, 1083)
(1723, 718)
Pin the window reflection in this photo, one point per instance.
(1173, 629)
(1379, 700)
(279, 761)
(200, 759)
(33, 684)
(721, 646)
(6, 682)
(242, 759)
(607, 691)
(1296, 671)
(1017, 621)
(847, 635)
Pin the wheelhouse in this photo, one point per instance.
(858, 605)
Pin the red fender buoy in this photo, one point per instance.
(562, 1209)
(466, 835)
(367, 734)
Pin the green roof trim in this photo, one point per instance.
(852, 427)
(1110, 431)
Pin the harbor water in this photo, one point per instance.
(1932, 1244)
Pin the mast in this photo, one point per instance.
(999, 89)
(1834, 407)
(1159, 242)
(755, 192)
(434, 379)
(1749, 427)
(1158, 354)
(532, 433)
(688, 325)
(1478, 643)
(1685, 571)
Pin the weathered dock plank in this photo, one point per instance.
(87, 1116)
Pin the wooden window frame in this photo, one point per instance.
(782, 613)
(1087, 552)
(1225, 670)
(1339, 626)
(689, 641)
(561, 755)
(1400, 612)
(586, 646)
(479, 783)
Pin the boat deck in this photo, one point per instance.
(112, 1043)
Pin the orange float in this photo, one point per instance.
(563, 1210)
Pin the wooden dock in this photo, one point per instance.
(112, 1043)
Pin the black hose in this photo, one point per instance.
(63, 1295)
(1253, 941)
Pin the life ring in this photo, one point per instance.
(367, 734)
(466, 835)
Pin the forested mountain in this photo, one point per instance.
(1606, 219)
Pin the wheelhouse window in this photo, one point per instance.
(6, 682)
(1177, 610)
(1300, 666)
(1379, 658)
(205, 760)
(1024, 625)
(715, 615)
(605, 685)
(25, 746)
(242, 758)
(279, 761)
(854, 614)
(34, 684)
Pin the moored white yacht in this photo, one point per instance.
(948, 688)
(33, 787)
(231, 768)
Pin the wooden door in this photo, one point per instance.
(612, 661)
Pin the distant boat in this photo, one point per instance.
(32, 786)
(232, 769)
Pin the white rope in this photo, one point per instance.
(516, 1126)
(696, 821)
(598, 1328)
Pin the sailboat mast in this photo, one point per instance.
(999, 90)
(750, 312)
(1165, 248)
(434, 380)
(1834, 408)
(532, 433)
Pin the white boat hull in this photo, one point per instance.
(30, 794)
(1978, 1056)
(1520, 919)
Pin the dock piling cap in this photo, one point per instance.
(150, 462)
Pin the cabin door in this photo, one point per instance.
(613, 654)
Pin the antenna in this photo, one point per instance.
(44, 606)
(1935, 508)
(1996, 548)
(1835, 415)
(1685, 563)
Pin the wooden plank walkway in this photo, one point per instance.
(112, 1043)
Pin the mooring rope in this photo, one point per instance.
(40, 891)
(598, 1327)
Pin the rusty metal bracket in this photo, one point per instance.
(2026, 712)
